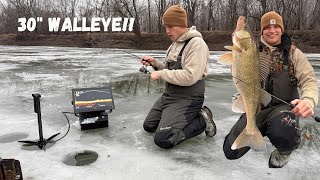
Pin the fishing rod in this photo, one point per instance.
(142, 69)
(316, 118)
(103, 49)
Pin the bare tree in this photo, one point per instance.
(161, 7)
(127, 8)
(263, 6)
(232, 13)
(315, 20)
(73, 6)
(149, 16)
(301, 19)
(244, 8)
(210, 15)
(191, 8)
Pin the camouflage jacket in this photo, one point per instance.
(303, 72)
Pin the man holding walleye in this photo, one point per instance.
(284, 69)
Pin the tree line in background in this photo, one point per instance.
(207, 15)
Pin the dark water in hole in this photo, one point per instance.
(80, 158)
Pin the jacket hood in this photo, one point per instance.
(189, 34)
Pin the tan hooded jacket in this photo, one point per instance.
(194, 60)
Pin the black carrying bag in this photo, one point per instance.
(10, 169)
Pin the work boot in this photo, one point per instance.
(278, 160)
(211, 128)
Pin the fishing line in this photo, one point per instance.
(290, 121)
(316, 118)
(130, 54)
(86, 63)
(142, 69)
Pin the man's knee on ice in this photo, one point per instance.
(147, 127)
(163, 139)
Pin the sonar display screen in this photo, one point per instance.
(92, 99)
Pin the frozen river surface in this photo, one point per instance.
(125, 150)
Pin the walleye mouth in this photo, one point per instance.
(240, 23)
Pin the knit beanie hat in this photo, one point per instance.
(271, 18)
(175, 16)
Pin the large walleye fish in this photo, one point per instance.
(246, 77)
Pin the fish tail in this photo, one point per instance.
(253, 139)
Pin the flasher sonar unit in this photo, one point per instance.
(92, 106)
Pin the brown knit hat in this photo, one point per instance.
(271, 18)
(175, 16)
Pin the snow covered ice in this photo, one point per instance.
(125, 150)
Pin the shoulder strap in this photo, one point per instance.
(285, 57)
(184, 46)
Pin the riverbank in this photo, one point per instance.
(307, 41)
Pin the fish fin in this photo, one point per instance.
(238, 105)
(236, 48)
(265, 98)
(226, 58)
(253, 140)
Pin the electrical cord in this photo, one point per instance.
(64, 113)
